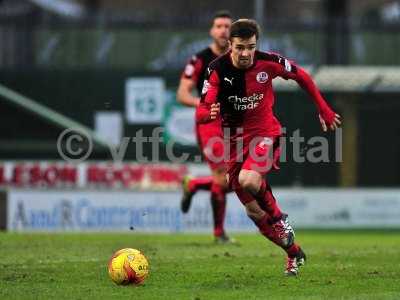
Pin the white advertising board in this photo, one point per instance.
(115, 210)
(159, 211)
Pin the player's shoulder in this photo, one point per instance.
(273, 57)
(206, 54)
(198, 56)
(269, 56)
(221, 62)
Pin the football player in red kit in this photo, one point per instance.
(238, 87)
(193, 78)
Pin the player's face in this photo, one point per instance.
(243, 51)
(220, 31)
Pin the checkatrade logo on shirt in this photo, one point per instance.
(245, 103)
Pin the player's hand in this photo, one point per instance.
(214, 111)
(335, 123)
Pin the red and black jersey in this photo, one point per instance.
(195, 69)
(246, 96)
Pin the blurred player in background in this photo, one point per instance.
(239, 88)
(193, 78)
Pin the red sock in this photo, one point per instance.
(218, 204)
(200, 183)
(293, 250)
(267, 201)
(267, 231)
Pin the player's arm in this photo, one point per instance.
(327, 117)
(184, 93)
(209, 109)
(187, 84)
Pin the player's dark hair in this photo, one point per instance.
(244, 29)
(221, 14)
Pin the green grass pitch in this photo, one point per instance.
(341, 265)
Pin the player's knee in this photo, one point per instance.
(223, 182)
(249, 183)
(220, 179)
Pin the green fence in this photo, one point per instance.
(154, 50)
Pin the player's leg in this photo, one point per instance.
(211, 136)
(211, 143)
(218, 203)
(265, 224)
(214, 155)
(190, 185)
(253, 182)
(199, 183)
(218, 187)
(264, 210)
(263, 220)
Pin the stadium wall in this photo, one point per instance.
(64, 92)
(376, 114)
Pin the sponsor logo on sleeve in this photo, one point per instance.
(189, 70)
(288, 66)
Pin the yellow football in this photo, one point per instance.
(128, 266)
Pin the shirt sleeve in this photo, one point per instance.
(288, 70)
(209, 95)
(192, 69)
